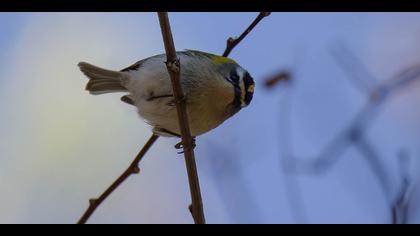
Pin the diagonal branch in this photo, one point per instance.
(232, 42)
(401, 204)
(132, 169)
(378, 95)
(358, 73)
(173, 66)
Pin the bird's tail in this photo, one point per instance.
(102, 80)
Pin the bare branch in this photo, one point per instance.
(232, 42)
(374, 162)
(173, 66)
(272, 81)
(401, 204)
(403, 78)
(358, 73)
(377, 96)
(350, 135)
(132, 169)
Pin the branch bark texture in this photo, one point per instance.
(174, 68)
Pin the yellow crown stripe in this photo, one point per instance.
(215, 58)
(223, 60)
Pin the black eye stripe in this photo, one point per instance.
(241, 99)
(234, 80)
(234, 77)
(248, 81)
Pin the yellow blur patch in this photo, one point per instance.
(215, 58)
(223, 60)
(251, 88)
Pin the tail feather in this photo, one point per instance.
(102, 80)
(104, 87)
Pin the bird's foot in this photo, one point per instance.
(180, 145)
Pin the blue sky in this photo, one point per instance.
(61, 146)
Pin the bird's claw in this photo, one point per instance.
(180, 145)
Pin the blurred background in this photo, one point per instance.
(338, 142)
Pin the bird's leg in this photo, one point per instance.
(173, 102)
(151, 98)
(180, 145)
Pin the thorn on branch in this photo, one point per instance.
(136, 170)
(93, 201)
(190, 208)
(231, 40)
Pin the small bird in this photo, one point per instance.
(215, 89)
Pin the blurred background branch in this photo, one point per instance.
(377, 95)
(400, 206)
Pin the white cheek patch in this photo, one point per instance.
(241, 73)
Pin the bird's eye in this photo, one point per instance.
(234, 78)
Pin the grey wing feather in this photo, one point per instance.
(135, 66)
(128, 99)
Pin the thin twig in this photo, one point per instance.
(402, 201)
(374, 162)
(232, 42)
(173, 66)
(352, 65)
(132, 169)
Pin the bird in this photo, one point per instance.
(215, 88)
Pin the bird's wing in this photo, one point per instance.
(128, 99)
(135, 66)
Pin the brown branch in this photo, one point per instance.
(272, 81)
(132, 169)
(232, 42)
(173, 66)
